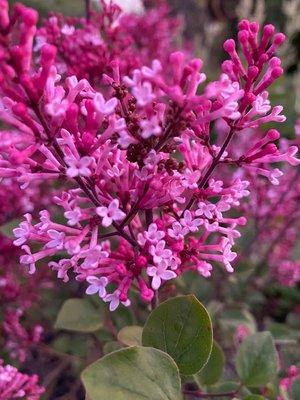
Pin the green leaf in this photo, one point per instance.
(296, 389)
(256, 361)
(182, 328)
(78, 315)
(112, 346)
(212, 371)
(131, 335)
(255, 397)
(231, 319)
(134, 373)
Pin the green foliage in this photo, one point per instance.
(212, 371)
(112, 346)
(182, 328)
(296, 389)
(256, 361)
(135, 373)
(78, 315)
(231, 319)
(131, 335)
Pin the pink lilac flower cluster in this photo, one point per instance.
(17, 295)
(286, 383)
(142, 202)
(86, 47)
(14, 201)
(275, 212)
(16, 385)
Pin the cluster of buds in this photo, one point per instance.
(275, 212)
(86, 47)
(16, 385)
(143, 201)
(18, 293)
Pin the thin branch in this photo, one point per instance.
(88, 10)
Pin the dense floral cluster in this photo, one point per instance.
(87, 47)
(275, 212)
(18, 293)
(16, 385)
(141, 203)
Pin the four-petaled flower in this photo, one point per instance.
(78, 167)
(153, 235)
(160, 273)
(97, 285)
(105, 107)
(110, 213)
(189, 222)
(159, 252)
(177, 232)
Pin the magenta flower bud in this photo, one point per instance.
(276, 72)
(252, 72)
(244, 24)
(279, 38)
(254, 27)
(243, 37)
(268, 30)
(273, 134)
(30, 16)
(229, 46)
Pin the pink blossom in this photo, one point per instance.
(160, 273)
(110, 213)
(78, 167)
(57, 239)
(190, 179)
(150, 127)
(153, 235)
(105, 107)
(14, 384)
(143, 93)
(159, 252)
(73, 216)
(204, 268)
(189, 222)
(97, 285)
(177, 232)
(114, 300)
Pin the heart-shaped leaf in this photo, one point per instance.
(182, 328)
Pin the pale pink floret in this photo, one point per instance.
(97, 285)
(160, 273)
(153, 235)
(192, 224)
(79, 167)
(159, 252)
(111, 213)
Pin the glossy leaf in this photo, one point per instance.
(78, 315)
(256, 361)
(182, 328)
(134, 373)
